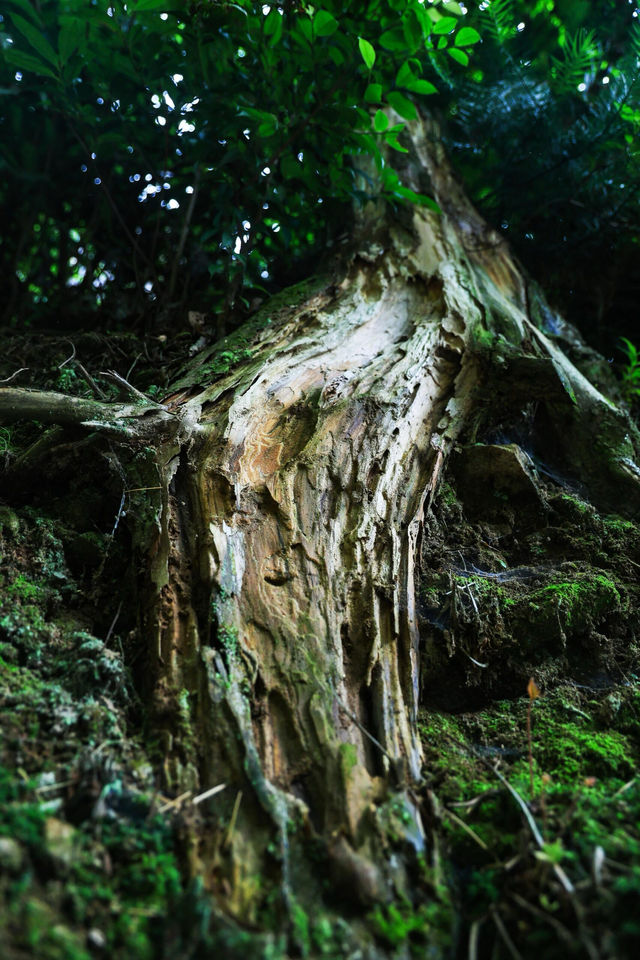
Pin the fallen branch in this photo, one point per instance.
(61, 409)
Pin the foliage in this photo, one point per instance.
(155, 161)
(631, 369)
(158, 162)
(544, 132)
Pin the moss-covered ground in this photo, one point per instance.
(533, 787)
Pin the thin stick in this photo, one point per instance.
(533, 826)
(234, 817)
(474, 935)
(14, 375)
(174, 803)
(91, 381)
(128, 387)
(54, 786)
(363, 729)
(184, 234)
(209, 793)
(530, 749)
(113, 623)
(466, 828)
(72, 357)
(502, 930)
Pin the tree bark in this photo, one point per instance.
(280, 527)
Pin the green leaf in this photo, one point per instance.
(367, 52)
(306, 28)
(373, 93)
(289, 166)
(466, 36)
(421, 86)
(69, 38)
(37, 40)
(380, 121)
(273, 27)
(402, 105)
(412, 30)
(268, 127)
(27, 6)
(423, 19)
(442, 43)
(393, 143)
(405, 75)
(393, 40)
(324, 24)
(446, 25)
(25, 61)
(420, 198)
(459, 56)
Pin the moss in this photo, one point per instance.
(228, 638)
(447, 494)
(583, 798)
(425, 926)
(348, 758)
(301, 929)
(618, 527)
(589, 596)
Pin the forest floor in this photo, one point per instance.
(530, 716)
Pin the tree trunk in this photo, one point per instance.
(278, 505)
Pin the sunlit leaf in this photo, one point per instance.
(445, 25)
(421, 86)
(367, 52)
(380, 121)
(392, 140)
(459, 56)
(466, 36)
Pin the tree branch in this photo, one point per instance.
(59, 408)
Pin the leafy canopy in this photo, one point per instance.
(544, 130)
(158, 155)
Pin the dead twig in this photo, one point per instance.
(113, 623)
(504, 933)
(92, 383)
(535, 831)
(467, 829)
(14, 375)
(170, 804)
(363, 729)
(69, 358)
(234, 817)
(127, 387)
(209, 793)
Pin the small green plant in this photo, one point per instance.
(5, 440)
(631, 370)
(67, 379)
